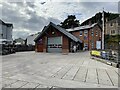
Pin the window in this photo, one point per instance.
(85, 32)
(112, 31)
(111, 24)
(85, 45)
(80, 33)
(92, 33)
(92, 45)
(96, 33)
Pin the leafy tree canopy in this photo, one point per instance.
(70, 22)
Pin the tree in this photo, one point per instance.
(70, 22)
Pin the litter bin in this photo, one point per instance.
(104, 55)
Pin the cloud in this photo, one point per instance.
(31, 17)
(24, 18)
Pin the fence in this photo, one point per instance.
(21, 48)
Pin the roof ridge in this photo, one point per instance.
(64, 31)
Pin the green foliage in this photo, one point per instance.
(70, 22)
(98, 18)
(112, 38)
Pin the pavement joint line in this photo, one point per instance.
(109, 78)
(37, 86)
(11, 83)
(67, 61)
(57, 71)
(22, 85)
(118, 73)
(86, 75)
(66, 72)
(97, 76)
(76, 73)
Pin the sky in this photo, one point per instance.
(29, 17)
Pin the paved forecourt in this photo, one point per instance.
(55, 70)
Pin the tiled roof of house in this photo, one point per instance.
(114, 20)
(81, 27)
(62, 30)
(7, 24)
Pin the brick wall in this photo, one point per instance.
(65, 46)
(52, 32)
(88, 38)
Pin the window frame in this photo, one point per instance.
(92, 33)
(81, 33)
(96, 33)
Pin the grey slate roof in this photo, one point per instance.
(7, 24)
(114, 20)
(62, 30)
(81, 27)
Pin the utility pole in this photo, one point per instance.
(103, 24)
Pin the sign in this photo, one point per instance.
(98, 44)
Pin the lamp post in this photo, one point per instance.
(103, 24)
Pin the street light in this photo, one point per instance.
(103, 23)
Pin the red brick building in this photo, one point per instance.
(89, 34)
(56, 39)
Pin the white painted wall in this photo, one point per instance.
(30, 39)
(0, 31)
(9, 33)
(5, 32)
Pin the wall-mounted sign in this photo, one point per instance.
(40, 41)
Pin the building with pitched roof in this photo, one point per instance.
(6, 31)
(112, 27)
(53, 38)
(90, 35)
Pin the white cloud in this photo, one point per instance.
(31, 17)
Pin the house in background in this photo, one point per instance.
(56, 39)
(90, 35)
(112, 27)
(19, 41)
(30, 39)
(6, 31)
(112, 34)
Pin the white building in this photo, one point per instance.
(6, 31)
(30, 39)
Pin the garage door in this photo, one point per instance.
(54, 44)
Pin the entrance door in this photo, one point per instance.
(54, 44)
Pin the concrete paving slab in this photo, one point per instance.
(17, 84)
(103, 77)
(58, 70)
(113, 76)
(92, 76)
(71, 73)
(7, 82)
(81, 74)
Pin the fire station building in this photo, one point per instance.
(53, 38)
